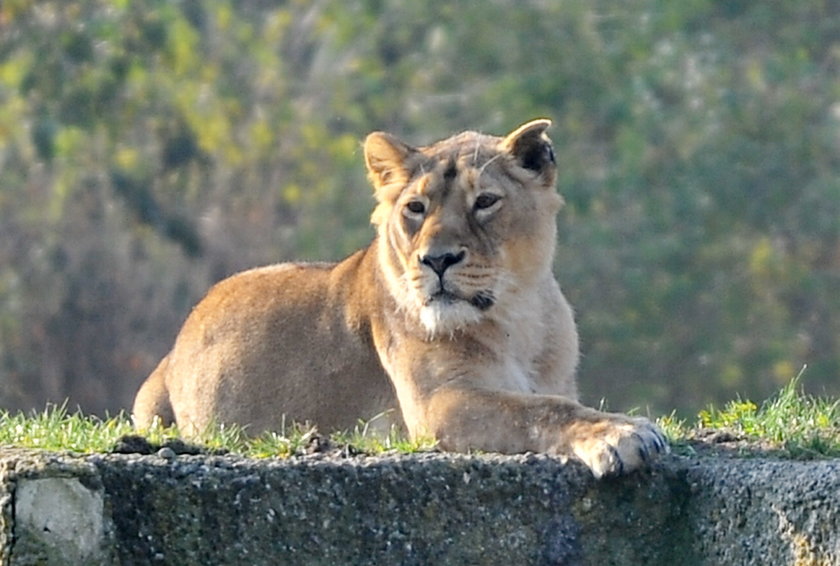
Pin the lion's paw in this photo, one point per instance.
(618, 444)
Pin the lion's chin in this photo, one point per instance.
(445, 314)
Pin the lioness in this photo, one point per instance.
(452, 315)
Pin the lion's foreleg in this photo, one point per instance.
(464, 419)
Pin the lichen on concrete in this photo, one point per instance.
(766, 511)
(429, 508)
(402, 510)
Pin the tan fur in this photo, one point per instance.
(480, 357)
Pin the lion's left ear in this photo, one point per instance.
(532, 148)
(387, 159)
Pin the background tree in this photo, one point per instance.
(150, 148)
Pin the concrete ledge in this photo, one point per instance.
(421, 509)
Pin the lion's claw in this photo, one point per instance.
(618, 445)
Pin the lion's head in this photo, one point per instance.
(465, 224)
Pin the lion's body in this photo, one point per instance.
(262, 324)
(451, 319)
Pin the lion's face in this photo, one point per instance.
(464, 225)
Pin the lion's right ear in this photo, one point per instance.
(387, 159)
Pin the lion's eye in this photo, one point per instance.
(416, 207)
(486, 200)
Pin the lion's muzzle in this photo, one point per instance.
(441, 262)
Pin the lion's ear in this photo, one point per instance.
(531, 147)
(387, 158)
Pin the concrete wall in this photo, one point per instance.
(427, 509)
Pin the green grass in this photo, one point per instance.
(58, 429)
(790, 424)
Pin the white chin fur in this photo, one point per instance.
(439, 318)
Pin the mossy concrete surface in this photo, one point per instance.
(413, 509)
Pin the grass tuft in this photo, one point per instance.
(57, 429)
(790, 424)
(370, 440)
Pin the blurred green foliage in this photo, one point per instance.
(151, 147)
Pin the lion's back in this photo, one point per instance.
(274, 345)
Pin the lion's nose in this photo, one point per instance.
(442, 262)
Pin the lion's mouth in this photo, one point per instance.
(444, 296)
(482, 300)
